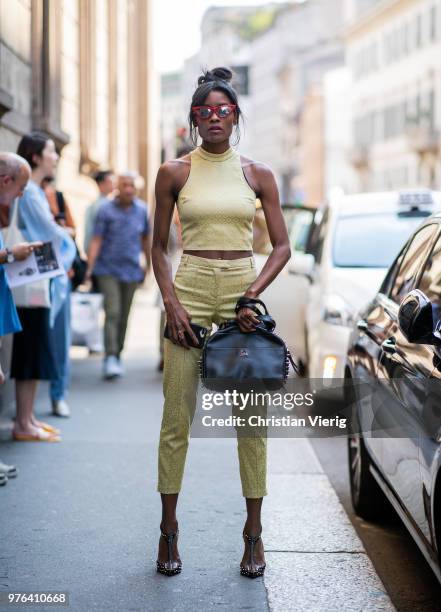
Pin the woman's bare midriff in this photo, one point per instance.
(219, 254)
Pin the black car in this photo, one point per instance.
(393, 382)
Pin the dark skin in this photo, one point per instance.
(172, 175)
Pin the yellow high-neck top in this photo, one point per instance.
(216, 205)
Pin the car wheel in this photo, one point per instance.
(368, 499)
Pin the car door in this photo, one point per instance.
(286, 297)
(403, 370)
(313, 317)
(428, 410)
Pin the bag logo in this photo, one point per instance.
(243, 353)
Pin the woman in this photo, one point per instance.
(61, 336)
(215, 190)
(33, 348)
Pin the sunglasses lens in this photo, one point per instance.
(223, 111)
(205, 112)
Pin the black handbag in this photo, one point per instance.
(231, 357)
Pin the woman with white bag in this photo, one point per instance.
(33, 350)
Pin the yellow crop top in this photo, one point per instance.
(216, 205)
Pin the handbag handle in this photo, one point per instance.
(249, 302)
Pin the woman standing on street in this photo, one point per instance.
(215, 189)
(33, 356)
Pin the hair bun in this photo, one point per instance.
(216, 74)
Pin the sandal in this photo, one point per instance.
(49, 428)
(167, 568)
(41, 436)
(261, 568)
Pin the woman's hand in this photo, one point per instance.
(22, 250)
(178, 321)
(247, 319)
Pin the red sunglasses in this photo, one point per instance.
(206, 111)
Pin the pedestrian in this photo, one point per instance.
(33, 357)
(215, 189)
(120, 235)
(61, 331)
(105, 180)
(14, 175)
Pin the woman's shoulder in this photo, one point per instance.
(248, 161)
(174, 170)
(32, 191)
(33, 199)
(172, 165)
(258, 167)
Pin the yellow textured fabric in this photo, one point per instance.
(216, 205)
(208, 289)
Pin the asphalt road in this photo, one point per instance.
(398, 561)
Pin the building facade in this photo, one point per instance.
(227, 34)
(393, 50)
(174, 128)
(286, 123)
(81, 71)
(280, 54)
(339, 174)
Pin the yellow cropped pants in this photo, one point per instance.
(208, 289)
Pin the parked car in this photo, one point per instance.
(395, 348)
(350, 249)
(286, 297)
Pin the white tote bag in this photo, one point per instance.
(86, 320)
(31, 295)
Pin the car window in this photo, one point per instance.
(371, 239)
(430, 281)
(318, 234)
(298, 222)
(411, 261)
(388, 282)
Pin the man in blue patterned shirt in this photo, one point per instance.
(120, 235)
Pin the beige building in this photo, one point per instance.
(312, 146)
(286, 123)
(81, 71)
(393, 49)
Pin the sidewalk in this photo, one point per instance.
(316, 561)
(83, 515)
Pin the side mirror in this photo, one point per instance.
(302, 263)
(415, 318)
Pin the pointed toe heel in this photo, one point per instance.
(252, 540)
(169, 567)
